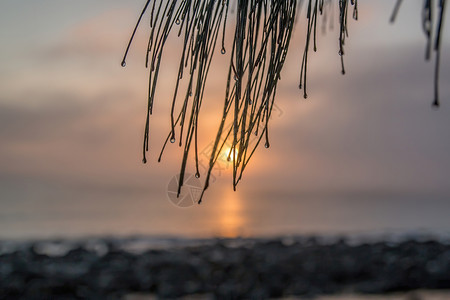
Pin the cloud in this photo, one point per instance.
(102, 36)
(72, 137)
(372, 129)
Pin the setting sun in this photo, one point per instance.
(228, 154)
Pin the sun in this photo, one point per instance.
(229, 153)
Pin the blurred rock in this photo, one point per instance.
(224, 269)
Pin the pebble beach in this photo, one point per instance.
(295, 267)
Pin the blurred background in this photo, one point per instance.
(364, 154)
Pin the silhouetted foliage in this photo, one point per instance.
(261, 41)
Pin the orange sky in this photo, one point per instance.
(71, 127)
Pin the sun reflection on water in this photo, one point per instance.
(231, 219)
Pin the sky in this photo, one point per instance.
(364, 153)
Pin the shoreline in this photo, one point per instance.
(221, 268)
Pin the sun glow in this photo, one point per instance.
(229, 154)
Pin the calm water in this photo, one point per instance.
(225, 213)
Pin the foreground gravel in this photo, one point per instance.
(242, 268)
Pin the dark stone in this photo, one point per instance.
(227, 269)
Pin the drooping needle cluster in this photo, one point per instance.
(262, 34)
(260, 46)
(322, 8)
(432, 27)
(261, 40)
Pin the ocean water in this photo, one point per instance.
(224, 213)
